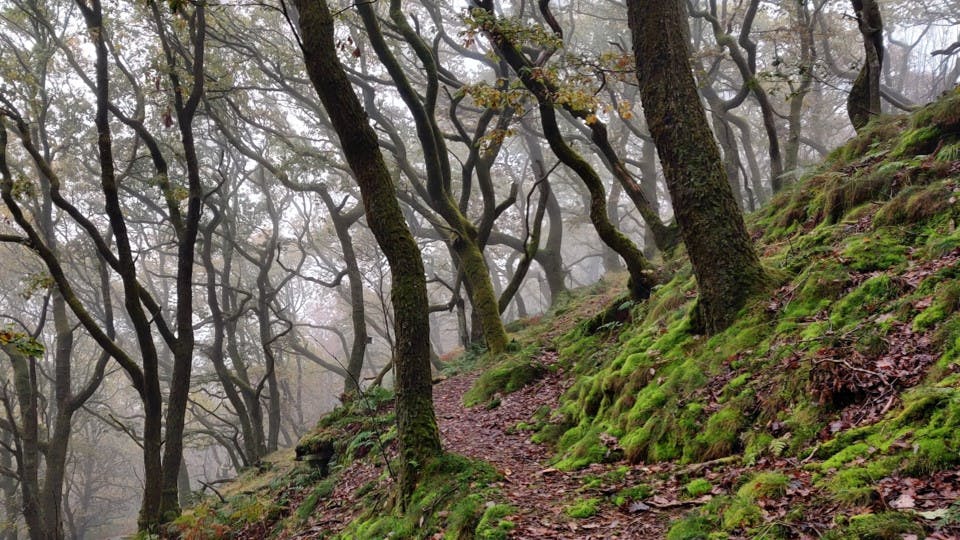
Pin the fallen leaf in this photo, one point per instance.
(903, 502)
(934, 514)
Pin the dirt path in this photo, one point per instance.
(539, 492)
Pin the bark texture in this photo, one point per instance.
(864, 99)
(416, 424)
(724, 261)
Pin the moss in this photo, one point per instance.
(915, 204)
(583, 509)
(756, 444)
(586, 450)
(691, 528)
(946, 300)
(931, 455)
(320, 492)
(506, 377)
(865, 300)
(917, 141)
(720, 435)
(877, 251)
(846, 455)
(764, 485)
(881, 129)
(844, 193)
(452, 495)
(949, 153)
(698, 487)
(944, 114)
(550, 433)
(493, 525)
(741, 514)
(855, 485)
(633, 493)
(884, 526)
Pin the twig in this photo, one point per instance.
(697, 467)
(213, 489)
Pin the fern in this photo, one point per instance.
(778, 445)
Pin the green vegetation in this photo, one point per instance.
(885, 526)
(698, 487)
(583, 509)
(453, 497)
(506, 377)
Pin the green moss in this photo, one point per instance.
(757, 444)
(915, 204)
(452, 496)
(698, 487)
(691, 528)
(865, 300)
(946, 300)
(633, 493)
(917, 141)
(884, 526)
(583, 450)
(764, 485)
(583, 509)
(879, 131)
(741, 514)
(549, 433)
(943, 114)
(309, 504)
(846, 455)
(855, 485)
(492, 525)
(720, 435)
(508, 376)
(845, 193)
(949, 153)
(879, 250)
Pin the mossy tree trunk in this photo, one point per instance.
(419, 437)
(864, 99)
(724, 261)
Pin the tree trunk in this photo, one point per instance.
(341, 225)
(418, 435)
(863, 103)
(804, 22)
(724, 261)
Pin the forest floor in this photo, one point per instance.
(542, 495)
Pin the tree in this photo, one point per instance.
(416, 424)
(114, 238)
(532, 76)
(864, 100)
(724, 261)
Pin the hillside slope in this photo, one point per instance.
(831, 408)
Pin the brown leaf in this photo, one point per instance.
(903, 502)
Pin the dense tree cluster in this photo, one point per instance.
(218, 217)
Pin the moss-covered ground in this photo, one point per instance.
(830, 408)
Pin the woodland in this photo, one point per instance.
(473, 269)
